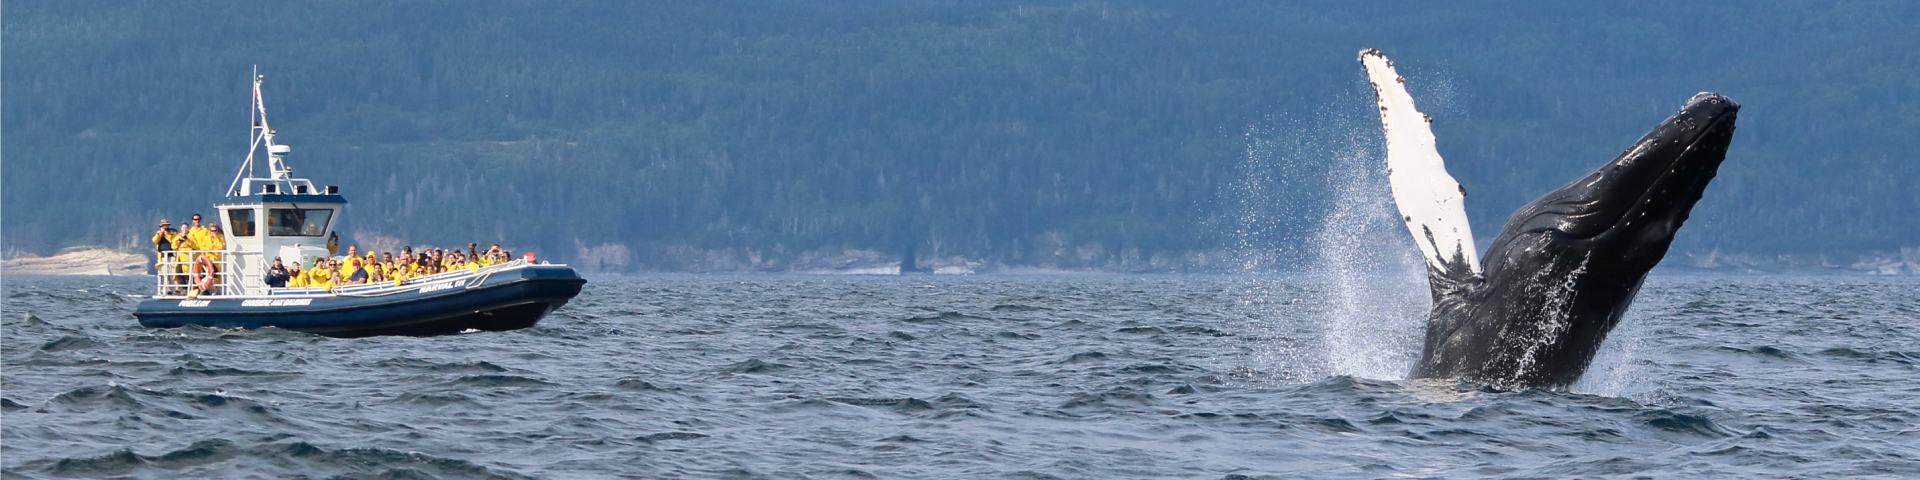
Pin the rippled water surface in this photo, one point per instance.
(974, 377)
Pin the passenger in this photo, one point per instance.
(355, 273)
(399, 270)
(163, 241)
(321, 274)
(181, 260)
(199, 237)
(335, 280)
(193, 238)
(295, 277)
(333, 239)
(372, 265)
(350, 267)
(486, 258)
(216, 241)
(277, 275)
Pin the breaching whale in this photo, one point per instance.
(1565, 268)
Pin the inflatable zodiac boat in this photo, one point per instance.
(228, 288)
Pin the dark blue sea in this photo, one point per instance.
(1068, 376)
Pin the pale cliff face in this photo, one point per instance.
(101, 262)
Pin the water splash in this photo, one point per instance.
(1377, 289)
(1318, 180)
(1378, 297)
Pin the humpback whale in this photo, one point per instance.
(1564, 269)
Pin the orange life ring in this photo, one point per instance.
(204, 266)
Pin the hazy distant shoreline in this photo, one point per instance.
(80, 262)
(1906, 262)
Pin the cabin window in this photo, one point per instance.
(240, 222)
(298, 222)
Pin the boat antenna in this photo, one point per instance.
(261, 133)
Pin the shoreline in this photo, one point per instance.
(89, 262)
(102, 262)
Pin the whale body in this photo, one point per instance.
(1565, 268)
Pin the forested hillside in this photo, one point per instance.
(663, 134)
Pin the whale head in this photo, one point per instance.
(1623, 216)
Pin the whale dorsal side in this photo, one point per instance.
(1431, 203)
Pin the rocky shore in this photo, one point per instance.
(90, 261)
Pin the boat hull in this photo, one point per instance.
(502, 300)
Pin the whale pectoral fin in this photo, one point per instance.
(1431, 203)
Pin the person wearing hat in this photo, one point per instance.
(164, 240)
(278, 275)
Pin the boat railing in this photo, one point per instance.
(177, 277)
(384, 288)
(180, 273)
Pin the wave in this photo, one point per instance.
(220, 457)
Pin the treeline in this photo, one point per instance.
(981, 129)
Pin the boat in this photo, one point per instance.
(228, 288)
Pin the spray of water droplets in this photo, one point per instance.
(1313, 198)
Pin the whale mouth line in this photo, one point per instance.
(1655, 187)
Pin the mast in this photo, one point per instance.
(261, 133)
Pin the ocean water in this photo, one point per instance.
(965, 377)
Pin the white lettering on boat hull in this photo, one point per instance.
(283, 302)
(435, 287)
(195, 303)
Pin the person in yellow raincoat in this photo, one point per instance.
(321, 275)
(296, 278)
(199, 237)
(165, 241)
(217, 241)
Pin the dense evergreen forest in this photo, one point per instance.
(662, 133)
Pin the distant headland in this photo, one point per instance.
(98, 261)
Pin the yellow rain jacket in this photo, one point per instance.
(320, 277)
(172, 242)
(200, 238)
(214, 242)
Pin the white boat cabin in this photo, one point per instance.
(293, 227)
